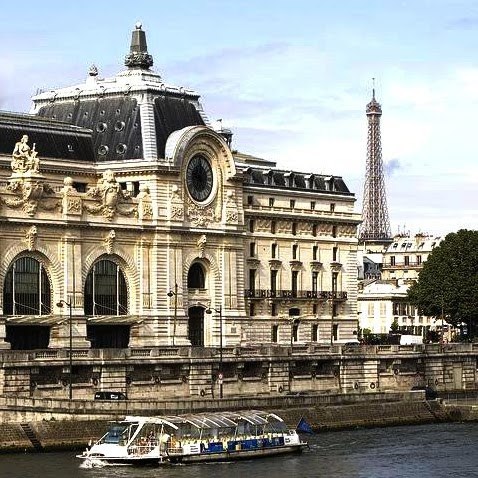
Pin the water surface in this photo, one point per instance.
(436, 450)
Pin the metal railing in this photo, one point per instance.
(294, 294)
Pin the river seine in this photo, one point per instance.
(437, 450)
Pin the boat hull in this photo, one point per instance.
(233, 455)
(103, 460)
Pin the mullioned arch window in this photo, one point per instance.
(27, 289)
(105, 290)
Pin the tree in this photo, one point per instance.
(448, 283)
(394, 328)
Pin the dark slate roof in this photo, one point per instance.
(53, 139)
(116, 122)
(172, 114)
(273, 178)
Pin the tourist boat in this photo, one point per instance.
(193, 438)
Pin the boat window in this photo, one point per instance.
(117, 434)
(275, 427)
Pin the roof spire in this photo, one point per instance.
(138, 56)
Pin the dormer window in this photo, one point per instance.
(289, 177)
(310, 181)
(269, 175)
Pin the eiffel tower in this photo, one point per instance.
(375, 228)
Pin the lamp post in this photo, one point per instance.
(170, 294)
(220, 374)
(61, 304)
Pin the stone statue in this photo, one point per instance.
(24, 158)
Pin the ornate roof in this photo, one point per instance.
(276, 178)
(131, 114)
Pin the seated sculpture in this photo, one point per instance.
(24, 158)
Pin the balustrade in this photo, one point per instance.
(294, 294)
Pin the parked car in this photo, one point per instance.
(110, 396)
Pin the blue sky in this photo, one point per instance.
(291, 79)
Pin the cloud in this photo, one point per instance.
(463, 23)
(392, 166)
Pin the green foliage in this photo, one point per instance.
(394, 328)
(366, 332)
(448, 282)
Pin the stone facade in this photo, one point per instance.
(405, 256)
(129, 223)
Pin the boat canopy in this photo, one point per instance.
(224, 419)
(209, 420)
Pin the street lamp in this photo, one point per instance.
(61, 304)
(220, 374)
(170, 294)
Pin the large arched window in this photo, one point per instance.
(27, 289)
(105, 290)
(196, 277)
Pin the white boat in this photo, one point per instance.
(201, 437)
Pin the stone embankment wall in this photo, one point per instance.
(193, 372)
(60, 430)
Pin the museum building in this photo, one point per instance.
(128, 222)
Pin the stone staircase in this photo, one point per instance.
(31, 436)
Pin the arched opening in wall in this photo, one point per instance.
(108, 336)
(27, 337)
(26, 290)
(105, 299)
(105, 290)
(196, 326)
(196, 276)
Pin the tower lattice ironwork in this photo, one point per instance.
(376, 224)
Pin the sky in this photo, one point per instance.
(291, 79)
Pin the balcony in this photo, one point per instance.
(315, 265)
(402, 265)
(282, 294)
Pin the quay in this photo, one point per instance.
(329, 386)
(35, 425)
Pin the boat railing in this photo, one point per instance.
(141, 448)
(175, 448)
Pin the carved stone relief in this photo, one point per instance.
(31, 238)
(145, 206)
(71, 200)
(177, 206)
(110, 241)
(110, 197)
(200, 216)
(201, 244)
(230, 209)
